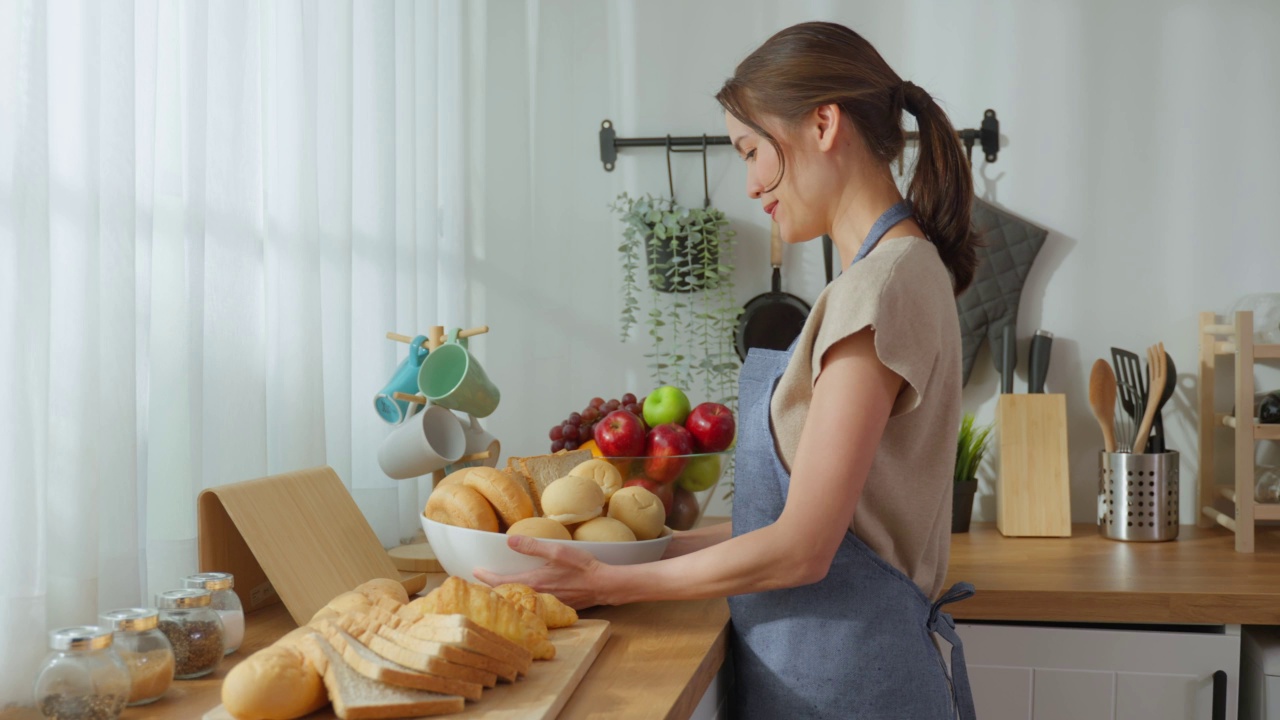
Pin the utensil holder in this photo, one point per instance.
(1138, 496)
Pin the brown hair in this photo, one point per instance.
(813, 64)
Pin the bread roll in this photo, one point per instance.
(603, 473)
(640, 510)
(572, 500)
(383, 587)
(604, 529)
(508, 496)
(456, 504)
(275, 683)
(545, 528)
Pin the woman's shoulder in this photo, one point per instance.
(902, 262)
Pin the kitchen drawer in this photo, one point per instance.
(1026, 672)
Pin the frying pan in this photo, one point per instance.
(771, 320)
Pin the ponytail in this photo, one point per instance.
(818, 63)
(941, 189)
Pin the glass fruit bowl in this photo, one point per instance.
(685, 483)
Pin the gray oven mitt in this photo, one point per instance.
(1008, 247)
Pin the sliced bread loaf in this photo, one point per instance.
(373, 666)
(356, 697)
(453, 652)
(431, 663)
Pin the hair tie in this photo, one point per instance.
(914, 98)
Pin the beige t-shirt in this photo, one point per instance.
(902, 290)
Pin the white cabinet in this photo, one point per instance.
(1028, 672)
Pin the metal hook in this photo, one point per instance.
(671, 185)
(706, 194)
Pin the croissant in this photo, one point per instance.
(545, 605)
(488, 610)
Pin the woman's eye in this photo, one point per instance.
(750, 156)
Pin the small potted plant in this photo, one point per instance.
(971, 445)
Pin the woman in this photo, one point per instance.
(842, 506)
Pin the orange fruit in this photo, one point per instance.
(591, 445)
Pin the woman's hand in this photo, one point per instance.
(572, 575)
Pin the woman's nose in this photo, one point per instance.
(754, 188)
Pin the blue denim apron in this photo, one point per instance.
(858, 643)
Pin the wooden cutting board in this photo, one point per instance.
(538, 696)
(416, 557)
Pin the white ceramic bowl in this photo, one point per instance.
(462, 550)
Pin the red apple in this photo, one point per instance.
(664, 491)
(684, 510)
(620, 434)
(712, 427)
(666, 445)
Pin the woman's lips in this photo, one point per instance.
(771, 207)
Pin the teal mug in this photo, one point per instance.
(451, 377)
(405, 380)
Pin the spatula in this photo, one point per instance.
(1155, 361)
(1129, 373)
(1102, 398)
(1170, 384)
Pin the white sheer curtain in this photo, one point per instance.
(210, 214)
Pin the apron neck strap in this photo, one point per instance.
(891, 217)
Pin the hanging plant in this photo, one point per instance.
(683, 253)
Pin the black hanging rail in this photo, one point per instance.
(987, 136)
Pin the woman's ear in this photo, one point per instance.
(826, 126)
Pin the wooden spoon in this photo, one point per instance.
(1102, 398)
(1155, 363)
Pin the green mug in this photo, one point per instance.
(450, 377)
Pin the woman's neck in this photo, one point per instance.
(858, 208)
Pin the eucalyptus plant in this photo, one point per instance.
(684, 254)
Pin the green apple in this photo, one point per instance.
(667, 404)
(700, 474)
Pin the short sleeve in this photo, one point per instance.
(893, 296)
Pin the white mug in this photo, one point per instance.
(424, 443)
(478, 440)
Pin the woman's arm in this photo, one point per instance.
(683, 543)
(852, 400)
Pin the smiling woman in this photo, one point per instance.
(209, 213)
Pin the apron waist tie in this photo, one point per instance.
(943, 624)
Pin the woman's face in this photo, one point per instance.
(796, 204)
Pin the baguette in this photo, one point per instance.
(280, 682)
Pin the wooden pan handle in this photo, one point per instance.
(775, 246)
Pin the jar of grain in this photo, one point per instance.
(145, 651)
(194, 630)
(225, 602)
(82, 678)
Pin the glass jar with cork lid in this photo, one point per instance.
(145, 651)
(194, 630)
(225, 602)
(82, 678)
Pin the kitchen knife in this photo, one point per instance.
(1008, 359)
(1039, 361)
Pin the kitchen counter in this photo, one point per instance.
(657, 663)
(661, 657)
(1197, 579)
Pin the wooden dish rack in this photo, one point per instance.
(1237, 341)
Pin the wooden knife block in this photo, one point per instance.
(1034, 494)
(296, 538)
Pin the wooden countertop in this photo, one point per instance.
(657, 663)
(1197, 579)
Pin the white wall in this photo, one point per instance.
(1141, 134)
